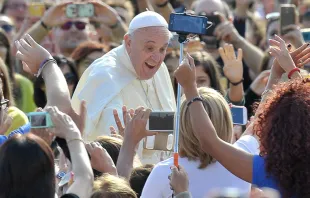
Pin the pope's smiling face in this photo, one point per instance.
(147, 49)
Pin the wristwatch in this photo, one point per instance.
(61, 174)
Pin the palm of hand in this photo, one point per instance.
(233, 70)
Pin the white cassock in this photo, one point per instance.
(111, 82)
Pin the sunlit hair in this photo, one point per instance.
(210, 67)
(220, 115)
(109, 186)
(283, 126)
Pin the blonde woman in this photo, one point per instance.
(204, 172)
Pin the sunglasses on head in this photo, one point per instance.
(7, 28)
(78, 25)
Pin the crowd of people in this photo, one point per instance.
(97, 79)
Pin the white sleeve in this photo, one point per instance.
(248, 143)
(157, 183)
(106, 119)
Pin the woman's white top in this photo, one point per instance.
(201, 181)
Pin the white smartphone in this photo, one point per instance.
(161, 121)
(163, 124)
(239, 115)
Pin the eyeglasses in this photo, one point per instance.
(78, 24)
(4, 104)
(7, 28)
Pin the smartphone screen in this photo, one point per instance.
(306, 34)
(239, 115)
(287, 16)
(38, 120)
(161, 121)
(86, 10)
(188, 24)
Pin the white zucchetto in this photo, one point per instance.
(147, 19)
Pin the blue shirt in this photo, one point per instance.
(22, 130)
(259, 177)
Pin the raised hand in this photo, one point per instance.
(178, 180)
(104, 13)
(100, 158)
(279, 50)
(31, 54)
(135, 130)
(56, 15)
(120, 126)
(64, 126)
(186, 73)
(233, 67)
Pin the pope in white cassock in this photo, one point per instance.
(132, 74)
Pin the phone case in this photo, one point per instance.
(287, 17)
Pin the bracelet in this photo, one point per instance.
(44, 25)
(75, 139)
(43, 64)
(292, 72)
(163, 5)
(237, 83)
(198, 98)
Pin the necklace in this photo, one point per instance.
(146, 93)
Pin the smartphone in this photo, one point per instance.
(183, 23)
(239, 115)
(36, 9)
(80, 10)
(163, 124)
(40, 120)
(306, 34)
(161, 121)
(215, 19)
(287, 17)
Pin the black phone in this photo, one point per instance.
(161, 121)
(183, 23)
(287, 17)
(215, 19)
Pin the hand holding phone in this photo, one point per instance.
(40, 120)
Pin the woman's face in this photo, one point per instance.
(70, 78)
(17, 9)
(202, 78)
(89, 59)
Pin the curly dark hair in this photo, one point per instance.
(283, 125)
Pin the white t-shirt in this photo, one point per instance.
(201, 181)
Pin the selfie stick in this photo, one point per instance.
(182, 40)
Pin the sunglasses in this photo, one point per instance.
(4, 104)
(7, 28)
(78, 25)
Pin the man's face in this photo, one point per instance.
(147, 49)
(17, 10)
(208, 7)
(71, 34)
